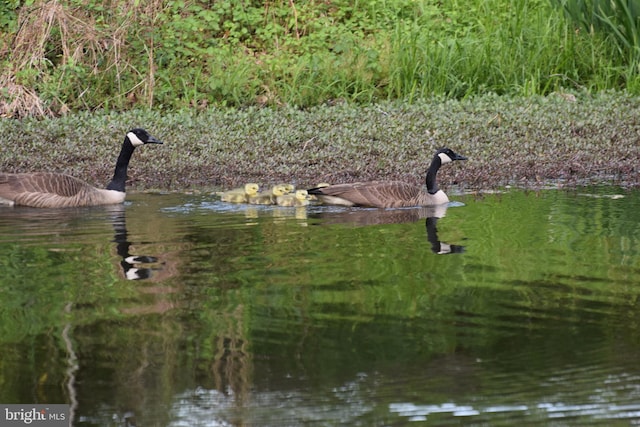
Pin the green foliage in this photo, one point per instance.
(613, 24)
(573, 138)
(87, 55)
(618, 20)
(9, 13)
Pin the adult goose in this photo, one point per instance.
(54, 190)
(390, 194)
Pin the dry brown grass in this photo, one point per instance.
(53, 33)
(20, 101)
(77, 37)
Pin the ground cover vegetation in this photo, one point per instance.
(317, 91)
(60, 56)
(524, 141)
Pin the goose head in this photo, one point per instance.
(447, 155)
(139, 136)
(442, 156)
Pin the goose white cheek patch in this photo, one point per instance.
(444, 158)
(134, 139)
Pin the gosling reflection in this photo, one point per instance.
(134, 267)
(364, 216)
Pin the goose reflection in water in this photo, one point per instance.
(134, 267)
(438, 247)
(368, 216)
(58, 222)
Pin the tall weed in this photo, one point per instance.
(523, 55)
(611, 23)
(618, 20)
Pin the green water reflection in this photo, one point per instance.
(515, 307)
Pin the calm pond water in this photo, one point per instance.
(512, 309)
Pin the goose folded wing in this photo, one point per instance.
(42, 189)
(381, 194)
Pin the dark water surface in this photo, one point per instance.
(520, 308)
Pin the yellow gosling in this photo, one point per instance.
(288, 188)
(267, 197)
(240, 195)
(299, 198)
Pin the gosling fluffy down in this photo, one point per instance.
(268, 197)
(299, 198)
(240, 195)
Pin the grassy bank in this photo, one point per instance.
(61, 56)
(527, 141)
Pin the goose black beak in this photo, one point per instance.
(153, 140)
(460, 157)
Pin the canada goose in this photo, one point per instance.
(390, 194)
(240, 195)
(268, 197)
(299, 198)
(54, 190)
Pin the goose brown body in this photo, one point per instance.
(55, 190)
(389, 194)
(51, 190)
(379, 194)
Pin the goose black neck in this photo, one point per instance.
(120, 174)
(432, 185)
(432, 233)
